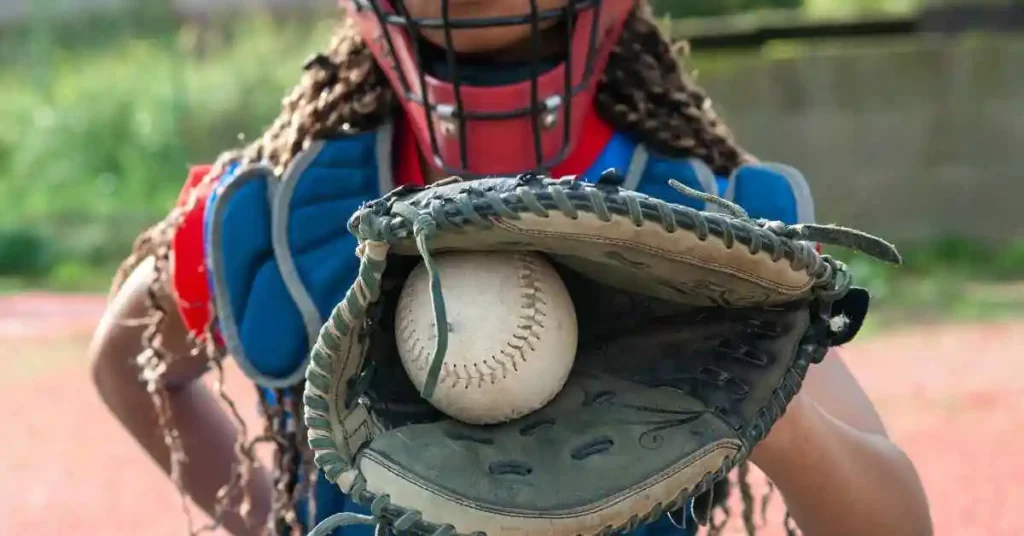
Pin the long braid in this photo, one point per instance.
(288, 464)
(342, 92)
(644, 92)
(747, 495)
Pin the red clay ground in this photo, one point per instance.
(952, 396)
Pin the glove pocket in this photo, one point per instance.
(605, 454)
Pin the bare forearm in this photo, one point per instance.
(839, 481)
(207, 437)
(207, 434)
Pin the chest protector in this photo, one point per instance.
(280, 256)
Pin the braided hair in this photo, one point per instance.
(644, 92)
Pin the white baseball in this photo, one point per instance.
(512, 334)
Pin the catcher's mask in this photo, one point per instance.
(475, 119)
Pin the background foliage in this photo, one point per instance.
(98, 136)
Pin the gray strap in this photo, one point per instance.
(281, 211)
(637, 166)
(805, 210)
(707, 180)
(385, 161)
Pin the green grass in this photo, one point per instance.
(946, 281)
(942, 299)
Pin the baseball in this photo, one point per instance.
(512, 334)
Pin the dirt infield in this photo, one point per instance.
(949, 396)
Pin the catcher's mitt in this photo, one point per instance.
(696, 330)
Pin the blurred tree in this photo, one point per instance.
(681, 8)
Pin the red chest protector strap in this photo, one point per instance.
(188, 270)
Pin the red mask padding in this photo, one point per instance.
(473, 131)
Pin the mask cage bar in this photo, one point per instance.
(454, 112)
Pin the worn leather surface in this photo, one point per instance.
(655, 385)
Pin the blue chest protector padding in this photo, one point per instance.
(280, 256)
(238, 242)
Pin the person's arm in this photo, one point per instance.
(207, 433)
(834, 464)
